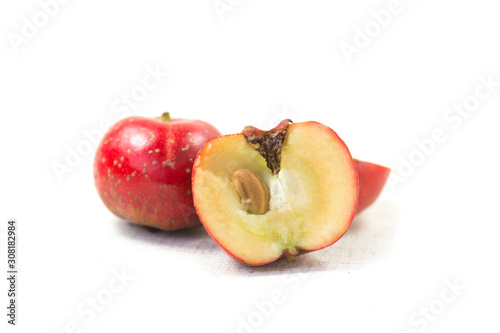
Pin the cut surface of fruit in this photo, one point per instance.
(312, 199)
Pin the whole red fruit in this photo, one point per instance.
(142, 169)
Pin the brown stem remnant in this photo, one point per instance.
(268, 143)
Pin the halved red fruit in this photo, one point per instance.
(304, 170)
(372, 178)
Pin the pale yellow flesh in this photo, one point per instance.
(313, 197)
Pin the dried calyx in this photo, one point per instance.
(268, 143)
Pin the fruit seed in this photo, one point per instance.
(253, 191)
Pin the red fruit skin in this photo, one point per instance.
(372, 178)
(142, 170)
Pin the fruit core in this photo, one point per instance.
(252, 189)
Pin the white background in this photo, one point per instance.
(257, 63)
